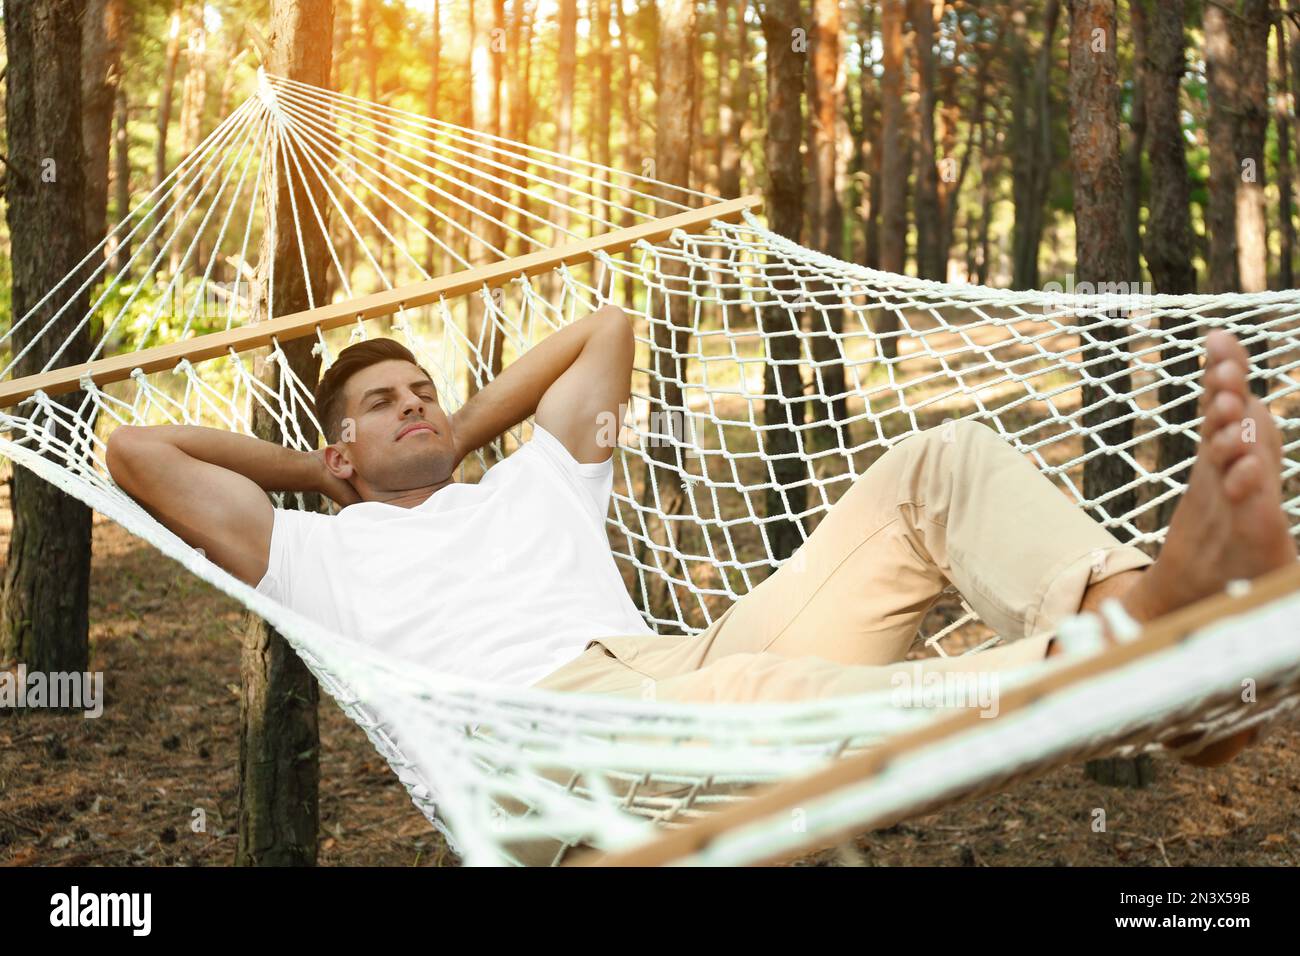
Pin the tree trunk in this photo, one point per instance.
(781, 377)
(525, 102)
(566, 73)
(987, 172)
(1293, 63)
(1133, 149)
(1285, 204)
(928, 227)
(741, 107)
(893, 164)
(1221, 93)
(171, 58)
(194, 90)
(1168, 239)
(1251, 28)
(279, 741)
(47, 574)
(953, 173)
(102, 36)
(675, 123)
(1098, 193)
(728, 113)
(433, 255)
(1236, 71)
(605, 81)
(121, 250)
(486, 339)
(1032, 153)
(869, 95)
(827, 223)
(988, 169)
(632, 155)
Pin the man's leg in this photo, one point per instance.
(954, 504)
(948, 505)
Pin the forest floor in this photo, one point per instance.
(124, 789)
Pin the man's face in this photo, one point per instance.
(395, 434)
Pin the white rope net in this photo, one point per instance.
(768, 377)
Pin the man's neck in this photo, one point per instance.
(410, 498)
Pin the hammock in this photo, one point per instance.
(768, 377)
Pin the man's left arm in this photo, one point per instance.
(575, 381)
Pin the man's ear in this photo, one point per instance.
(338, 462)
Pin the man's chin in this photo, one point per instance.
(421, 474)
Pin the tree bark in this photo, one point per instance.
(1221, 88)
(867, 156)
(988, 163)
(1168, 239)
(1098, 193)
(434, 261)
(47, 573)
(600, 128)
(675, 115)
(102, 36)
(121, 175)
(893, 164)
(632, 154)
(928, 226)
(728, 114)
(1251, 28)
(784, 411)
(605, 81)
(566, 72)
(279, 741)
(1282, 118)
(486, 339)
(525, 108)
(953, 174)
(194, 90)
(1032, 150)
(170, 59)
(1133, 148)
(742, 100)
(1293, 63)
(827, 227)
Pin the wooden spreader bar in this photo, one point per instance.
(115, 368)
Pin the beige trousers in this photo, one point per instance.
(954, 503)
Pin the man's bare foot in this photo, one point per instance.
(1229, 524)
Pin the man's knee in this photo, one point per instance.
(958, 431)
(953, 434)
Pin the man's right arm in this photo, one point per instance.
(209, 487)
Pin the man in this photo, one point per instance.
(511, 579)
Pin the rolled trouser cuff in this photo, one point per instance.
(1065, 592)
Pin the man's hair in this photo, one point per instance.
(329, 393)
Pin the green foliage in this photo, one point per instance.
(154, 310)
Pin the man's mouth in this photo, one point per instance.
(417, 426)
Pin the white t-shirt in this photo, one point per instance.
(505, 580)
